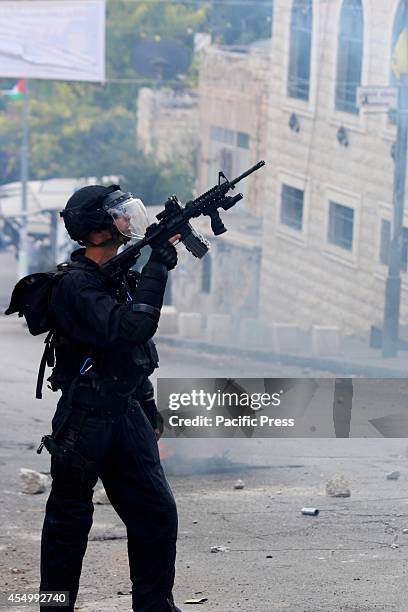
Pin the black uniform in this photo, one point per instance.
(105, 423)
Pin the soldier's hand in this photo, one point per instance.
(166, 253)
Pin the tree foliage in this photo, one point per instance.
(85, 129)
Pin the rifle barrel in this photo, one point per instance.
(247, 172)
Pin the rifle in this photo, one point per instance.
(174, 219)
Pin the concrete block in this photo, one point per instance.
(190, 325)
(255, 334)
(325, 340)
(285, 337)
(168, 323)
(219, 328)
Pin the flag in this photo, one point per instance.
(400, 56)
(16, 92)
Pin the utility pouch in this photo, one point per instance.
(50, 444)
(70, 471)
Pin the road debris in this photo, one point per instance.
(216, 549)
(240, 484)
(196, 600)
(393, 475)
(338, 487)
(33, 482)
(310, 511)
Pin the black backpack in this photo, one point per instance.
(31, 299)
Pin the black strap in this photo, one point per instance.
(67, 407)
(146, 308)
(46, 359)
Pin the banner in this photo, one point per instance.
(53, 39)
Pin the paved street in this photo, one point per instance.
(278, 560)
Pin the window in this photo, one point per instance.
(385, 245)
(206, 274)
(341, 221)
(229, 137)
(400, 22)
(229, 152)
(300, 49)
(350, 56)
(291, 212)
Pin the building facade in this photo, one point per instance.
(167, 124)
(233, 113)
(329, 184)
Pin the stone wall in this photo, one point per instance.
(305, 279)
(167, 124)
(233, 94)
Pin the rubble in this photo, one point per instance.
(338, 487)
(240, 484)
(216, 549)
(310, 511)
(33, 482)
(393, 475)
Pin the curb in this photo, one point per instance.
(335, 366)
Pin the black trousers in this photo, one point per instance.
(122, 450)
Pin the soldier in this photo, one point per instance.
(106, 424)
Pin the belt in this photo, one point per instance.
(103, 386)
(116, 408)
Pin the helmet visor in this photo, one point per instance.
(130, 218)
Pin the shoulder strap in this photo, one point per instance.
(46, 359)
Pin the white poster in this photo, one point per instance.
(53, 39)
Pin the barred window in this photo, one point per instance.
(341, 222)
(350, 56)
(291, 212)
(300, 49)
(385, 245)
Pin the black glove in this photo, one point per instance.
(165, 254)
